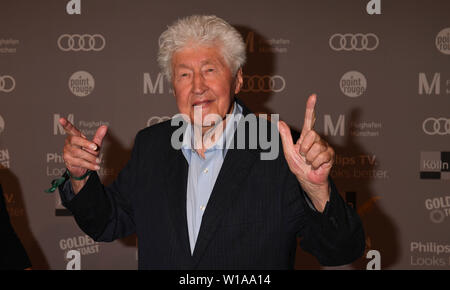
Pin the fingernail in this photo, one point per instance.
(97, 167)
(98, 160)
(93, 147)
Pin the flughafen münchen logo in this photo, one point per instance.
(8, 46)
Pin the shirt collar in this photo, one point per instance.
(225, 139)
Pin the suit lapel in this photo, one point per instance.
(235, 168)
(177, 186)
(234, 171)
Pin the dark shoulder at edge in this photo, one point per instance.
(161, 128)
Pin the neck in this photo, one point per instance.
(212, 133)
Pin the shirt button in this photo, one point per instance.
(202, 207)
(205, 171)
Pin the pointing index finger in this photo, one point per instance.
(69, 128)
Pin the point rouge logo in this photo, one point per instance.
(443, 41)
(81, 83)
(353, 84)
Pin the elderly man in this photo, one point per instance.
(204, 205)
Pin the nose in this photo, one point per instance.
(199, 86)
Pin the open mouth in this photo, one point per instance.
(202, 103)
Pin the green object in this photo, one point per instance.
(57, 182)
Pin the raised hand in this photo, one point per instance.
(310, 159)
(79, 153)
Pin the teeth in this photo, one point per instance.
(199, 104)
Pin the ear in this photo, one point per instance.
(238, 81)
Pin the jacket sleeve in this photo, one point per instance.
(335, 236)
(105, 212)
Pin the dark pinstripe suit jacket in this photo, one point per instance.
(256, 211)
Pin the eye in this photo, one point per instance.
(210, 69)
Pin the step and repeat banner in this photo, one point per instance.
(380, 69)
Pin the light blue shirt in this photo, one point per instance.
(203, 172)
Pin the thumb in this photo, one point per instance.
(99, 135)
(286, 137)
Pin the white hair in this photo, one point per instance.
(204, 30)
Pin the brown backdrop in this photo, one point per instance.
(383, 86)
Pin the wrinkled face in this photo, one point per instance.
(201, 77)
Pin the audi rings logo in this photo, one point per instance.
(436, 126)
(81, 42)
(357, 41)
(263, 84)
(7, 84)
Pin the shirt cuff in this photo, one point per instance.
(66, 192)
